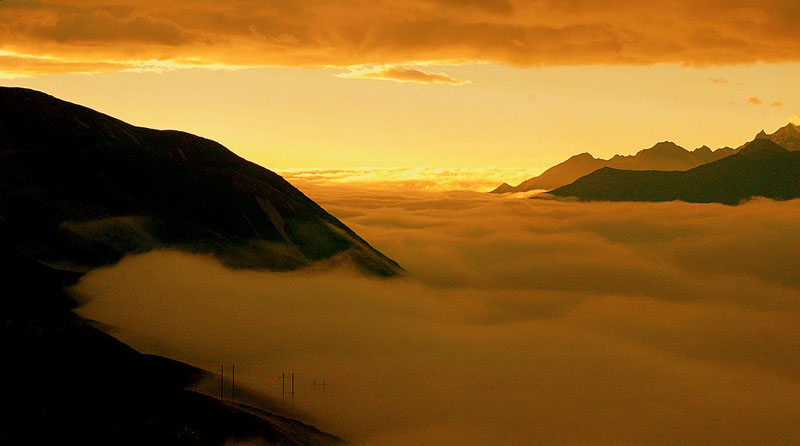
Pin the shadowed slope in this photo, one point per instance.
(83, 189)
(760, 169)
(787, 136)
(74, 384)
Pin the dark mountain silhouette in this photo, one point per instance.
(787, 136)
(79, 189)
(761, 168)
(662, 156)
(82, 189)
(69, 383)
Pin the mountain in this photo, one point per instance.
(761, 168)
(662, 156)
(787, 136)
(79, 189)
(82, 189)
(571, 169)
(71, 383)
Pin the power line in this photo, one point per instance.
(323, 385)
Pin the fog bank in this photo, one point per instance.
(520, 321)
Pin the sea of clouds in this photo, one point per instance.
(518, 322)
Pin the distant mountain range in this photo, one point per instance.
(664, 156)
(81, 189)
(760, 168)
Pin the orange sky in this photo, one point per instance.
(477, 83)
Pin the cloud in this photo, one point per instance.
(403, 74)
(757, 101)
(521, 321)
(360, 32)
(413, 179)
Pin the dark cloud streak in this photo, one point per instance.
(358, 32)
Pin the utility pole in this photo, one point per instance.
(283, 387)
(233, 385)
(221, 383)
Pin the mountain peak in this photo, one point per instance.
(787, 136)
(584, 155)
(662, 149)
(762, 135)
(664, 146)
(790, 127)
(761, 145)
(503, 189)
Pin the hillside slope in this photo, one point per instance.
(70, 383)
(82, 189)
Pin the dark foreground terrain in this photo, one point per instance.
(78, 190)
(68, 383)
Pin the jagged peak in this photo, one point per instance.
(703, 148)
(660, 147)
(665, 145)
(790, 127)
(585, 155)
(761, 145)
(762, 134)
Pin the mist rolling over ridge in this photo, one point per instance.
(519, 321)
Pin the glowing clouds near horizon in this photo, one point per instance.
(416, 179)
(520, 321)
(401, 74)
(357, 32)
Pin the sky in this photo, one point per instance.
(518, 321)
(482, 89)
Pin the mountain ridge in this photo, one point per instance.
(760, 168)
(664, 155)
(787, 136)
(82, 189)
